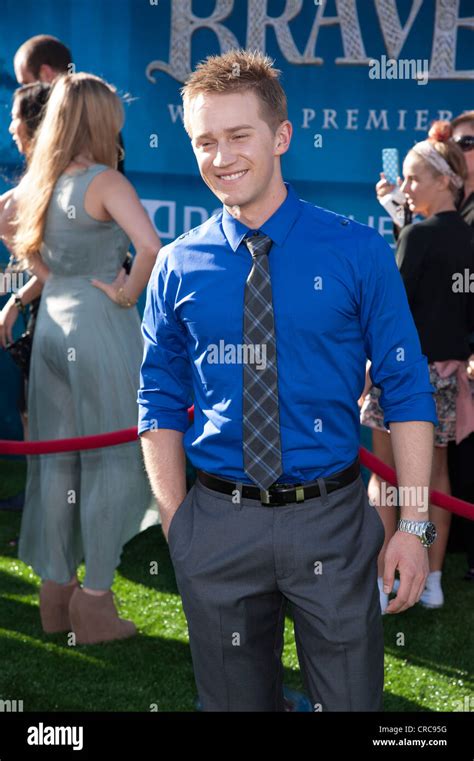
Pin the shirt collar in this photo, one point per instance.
(276, 227)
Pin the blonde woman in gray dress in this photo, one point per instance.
(76, 216)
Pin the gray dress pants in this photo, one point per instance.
(238, 564)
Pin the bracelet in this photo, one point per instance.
(123, 300)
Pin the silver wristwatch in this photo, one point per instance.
(425, 530)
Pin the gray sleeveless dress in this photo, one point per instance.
(84, 377)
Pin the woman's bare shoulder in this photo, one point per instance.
(110, 181)
(113, 175)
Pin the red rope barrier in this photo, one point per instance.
(446, 501)
(78, 443)
(54, 446)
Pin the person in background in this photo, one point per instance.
(460, 456)
(463, 136)
(429, 255)
(27, 111)
(76, 214)
(41, 59)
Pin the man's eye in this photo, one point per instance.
(238, 137)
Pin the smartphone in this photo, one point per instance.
(390, 164)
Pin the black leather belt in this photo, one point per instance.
(282, 494)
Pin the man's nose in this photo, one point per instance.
(223, 157)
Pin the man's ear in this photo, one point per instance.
(283, 137)
(47, 73)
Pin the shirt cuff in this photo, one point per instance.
(418, 407)
(155, 420)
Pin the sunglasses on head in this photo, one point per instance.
(466, 142)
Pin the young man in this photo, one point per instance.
(41, 59)
(265, 315)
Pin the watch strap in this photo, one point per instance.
(412, 527)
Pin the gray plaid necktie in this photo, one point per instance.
(261, 430)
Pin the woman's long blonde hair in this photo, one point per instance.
(83, 114)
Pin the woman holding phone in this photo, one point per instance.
(430, 255)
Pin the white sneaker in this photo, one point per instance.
(383, 595)
(432, 595)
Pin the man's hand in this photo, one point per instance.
(406, 553)
(412, 445)
(165, 463)
(167, 517)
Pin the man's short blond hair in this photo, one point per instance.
(239, 71)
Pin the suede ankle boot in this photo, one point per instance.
(54, 606)
(94, 619)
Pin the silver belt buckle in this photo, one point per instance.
(265, 495)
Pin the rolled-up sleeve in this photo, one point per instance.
(391, 340)
(165, 374)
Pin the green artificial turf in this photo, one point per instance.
(428, 654)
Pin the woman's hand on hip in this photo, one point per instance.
(111, 289)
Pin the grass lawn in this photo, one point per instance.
(431, 671)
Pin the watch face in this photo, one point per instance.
(429, 533)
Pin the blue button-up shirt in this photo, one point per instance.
(337, 298)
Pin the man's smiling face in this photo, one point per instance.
(234, 147)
